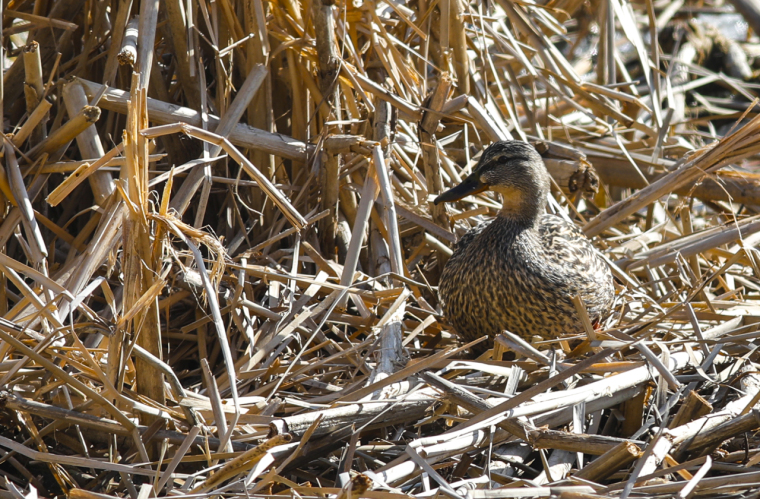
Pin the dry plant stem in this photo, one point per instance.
(69, 460)
(127, 56)
(723, 185)
(38, 115)
(298, 111)
(216, 314)
(260, 109)
(33, 234)
(737, 481)
(486, 122)
(329, 60)
(273, 192)
(685, 57)
(34, 87)
(330, 194)
(458, 440)
(48, 40)
(608, 463)
(119, 26)
(177, 458)
(694, 244)
(588, 444)
(407, 108)
(147, 27)
(458, 39)
(471, 402)
(106, 235)
(89, 143)
(64, 376)
(229, 121)
(391, 352)
(381, 168)
(162, 113)
(556, 467)
(730, 429)
(177, 389)
(72, 166)
(711, 158)
(510, 341)
(80, 174)
(140, 253)
(179, 392)
(372, 414)
(678, 440)
(67, 132)
(102, 425)
(216, 405)
(430, 153)
(243, 462)
(41, 20)
(177, 17)
(368, 196)
(693, 407)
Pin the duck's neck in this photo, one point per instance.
(523, 210)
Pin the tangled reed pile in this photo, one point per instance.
(220, 251)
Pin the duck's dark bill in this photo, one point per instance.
(470, 185)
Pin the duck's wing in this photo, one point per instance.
(567, 247)
(556, 233)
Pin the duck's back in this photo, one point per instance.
(505, 276)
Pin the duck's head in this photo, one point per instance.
(515, 170)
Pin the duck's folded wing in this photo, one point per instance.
(565, 245)
(552, 227)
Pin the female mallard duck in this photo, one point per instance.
(521, 271)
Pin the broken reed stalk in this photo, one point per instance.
(141, 256)
(119, 26)
(80, 174)
(69, 131)
(34, 87)
(128, 53)
(595, 445)
(88, 140)
(608, 463)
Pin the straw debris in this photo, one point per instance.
(219, 251)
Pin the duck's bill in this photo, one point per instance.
(469, 186)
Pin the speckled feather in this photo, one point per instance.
(524, 280)
(519, 273)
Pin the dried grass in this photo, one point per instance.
(220, 256)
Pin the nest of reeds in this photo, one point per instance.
(220, 253)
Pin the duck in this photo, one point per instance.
(520, 271)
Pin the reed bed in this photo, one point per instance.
(220, 253)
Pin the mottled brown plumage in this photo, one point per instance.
(520, 271)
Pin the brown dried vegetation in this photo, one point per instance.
(220, 252)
